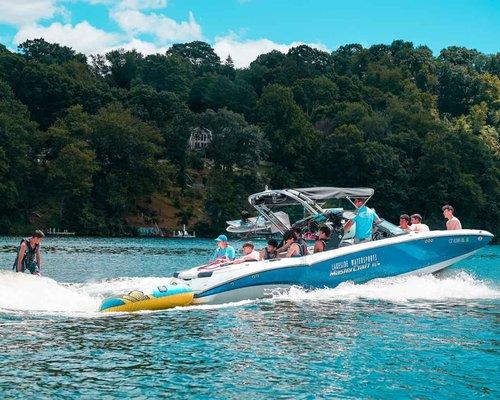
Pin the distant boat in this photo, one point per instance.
(253, 225)
(183, 234)
(55, 232)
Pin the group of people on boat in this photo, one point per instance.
(294, 245)
(28, 256)
(414, 223)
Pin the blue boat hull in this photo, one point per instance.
(359, 264)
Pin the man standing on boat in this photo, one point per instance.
(364, 219)
(224, 252)
(28, 254)
(453, 222)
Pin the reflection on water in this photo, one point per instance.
(426, 337)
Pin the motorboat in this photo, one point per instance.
(391, 252)
(254, 225)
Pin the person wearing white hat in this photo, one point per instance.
(224, 252)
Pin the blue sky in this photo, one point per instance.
(246, 28)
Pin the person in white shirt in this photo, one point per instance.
(249, 254)
(453, 222)
(416, 224)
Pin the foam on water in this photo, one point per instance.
(401, 289)
(23, 292)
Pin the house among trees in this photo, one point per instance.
(200, 138)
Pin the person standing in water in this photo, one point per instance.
(28, 254)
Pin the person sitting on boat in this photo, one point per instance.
(28, 254)
(270, 252)
(453, 222)
(416, 224)
(404, 222)
(297, 235)
(364, 219)
(300, 241)
(224, 252)
(249, 254)
(294, 250)
(323, 239)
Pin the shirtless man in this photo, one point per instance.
(453, 222)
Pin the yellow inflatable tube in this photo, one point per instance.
(162, 298)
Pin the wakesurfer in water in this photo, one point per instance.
(28, 254)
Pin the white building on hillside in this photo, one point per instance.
(200, 138)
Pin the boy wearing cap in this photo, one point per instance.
(224, 252)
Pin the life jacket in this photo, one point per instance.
(302, 246)
(269, 256)
(28, 257)
(301, 250)
(328, 244)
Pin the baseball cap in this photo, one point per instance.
(221, 238)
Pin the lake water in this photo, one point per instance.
(429, 337)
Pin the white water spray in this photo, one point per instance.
(27, 293)
(402, 289)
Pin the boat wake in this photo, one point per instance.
(23, 292)
(402, 289)
(26, 293)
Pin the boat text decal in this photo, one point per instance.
(354, 264)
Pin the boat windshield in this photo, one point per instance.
(390, 228)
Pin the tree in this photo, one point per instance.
(123, 67)
(154, 107)
(463, 57)
(305, 62)
(173, 73)
(234, 142)
(216, 91)
(127, 151)
(312, 93)
(18, 164)
(228, 68)
(291, 135)
(199, 54)
(49, 53)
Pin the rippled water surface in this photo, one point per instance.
(429, 337)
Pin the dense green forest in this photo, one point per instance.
(84, 140)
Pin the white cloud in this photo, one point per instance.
(81, 37)
(86, 39)
(165, 29)
(142, 4)
(243, 52)
(24, 12)
(143, 47)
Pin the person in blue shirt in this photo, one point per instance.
(224, 252)
(364, 219)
